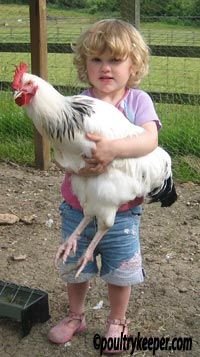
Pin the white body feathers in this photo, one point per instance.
(66, 120)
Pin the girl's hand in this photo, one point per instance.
(92, 170)
(101, 156)
(103, 153)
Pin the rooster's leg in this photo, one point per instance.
(71, 243)
(88, 256)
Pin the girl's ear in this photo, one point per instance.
(133, 69)
(133, 72)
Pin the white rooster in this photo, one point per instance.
(66, 120)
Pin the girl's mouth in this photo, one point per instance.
(105, 78)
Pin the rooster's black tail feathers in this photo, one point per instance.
(166, 194)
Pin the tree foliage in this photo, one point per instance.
(176, 8)
(149, 8)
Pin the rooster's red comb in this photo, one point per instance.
(19, 71)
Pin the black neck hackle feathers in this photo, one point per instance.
(71, 120)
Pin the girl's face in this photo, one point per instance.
(108, 74)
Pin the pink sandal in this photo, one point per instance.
(116, 334)
(62, 332)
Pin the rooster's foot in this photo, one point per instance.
(66, 249)
(83, 262)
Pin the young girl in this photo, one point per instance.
(112, 57)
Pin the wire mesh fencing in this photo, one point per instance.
(173, 82)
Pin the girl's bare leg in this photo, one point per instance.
(75, 320)
(119, 299)
(76, 294)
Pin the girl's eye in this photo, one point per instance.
(116, 60)
(96, 59)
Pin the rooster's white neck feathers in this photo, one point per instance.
(59, 115)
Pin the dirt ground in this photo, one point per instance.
(167, 304)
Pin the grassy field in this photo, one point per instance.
(181, 74)
(167, 74)
(63, 26)
(181, 130)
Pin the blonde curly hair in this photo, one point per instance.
(117, 36)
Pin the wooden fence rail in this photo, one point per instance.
(156, 50)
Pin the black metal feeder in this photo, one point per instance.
(23, 304)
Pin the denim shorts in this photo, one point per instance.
(120, 263)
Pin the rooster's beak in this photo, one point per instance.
(17, 94)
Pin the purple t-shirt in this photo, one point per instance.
(138, 107)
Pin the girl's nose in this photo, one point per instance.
(105, 67)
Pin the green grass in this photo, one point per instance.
(64, 25)
(14, 23)
(177, 75)
(16, 132)
(166, 74)
(180, 137)
(181, 130)
(160, 33)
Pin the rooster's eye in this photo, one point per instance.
(29, 83)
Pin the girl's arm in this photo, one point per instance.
(107, 150)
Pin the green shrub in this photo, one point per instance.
(101, 5)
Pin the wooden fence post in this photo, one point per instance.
(130, 11)
(39, 67)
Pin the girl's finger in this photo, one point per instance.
(98, 169)
(94, 137)
(90, 161)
